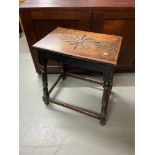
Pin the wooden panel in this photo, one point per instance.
(58, 14)
(118, 23)
(49, 20)
(49, 25)
(115, 14)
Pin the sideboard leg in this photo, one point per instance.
(45, 82)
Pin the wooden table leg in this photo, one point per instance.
(107, 86)
(45, 84)
(43, 63)
(105, 100)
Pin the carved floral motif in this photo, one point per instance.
(85, 42)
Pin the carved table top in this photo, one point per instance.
(81, 44)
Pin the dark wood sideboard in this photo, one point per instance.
(115, 17)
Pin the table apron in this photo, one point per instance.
(87, 64)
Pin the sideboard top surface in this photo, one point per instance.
(89, 4)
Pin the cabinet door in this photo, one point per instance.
(43, 21)
(118, 23)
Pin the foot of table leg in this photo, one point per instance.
(45, 84)
(102, 120)
(46, 100)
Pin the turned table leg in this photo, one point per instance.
(105, 100)
(45, 84)
(43, 64)
(107, 86)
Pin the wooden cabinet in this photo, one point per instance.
(121, 23)
(39, 19)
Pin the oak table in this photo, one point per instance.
(93, 51)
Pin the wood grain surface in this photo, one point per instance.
(81, 44)
(78, 3)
